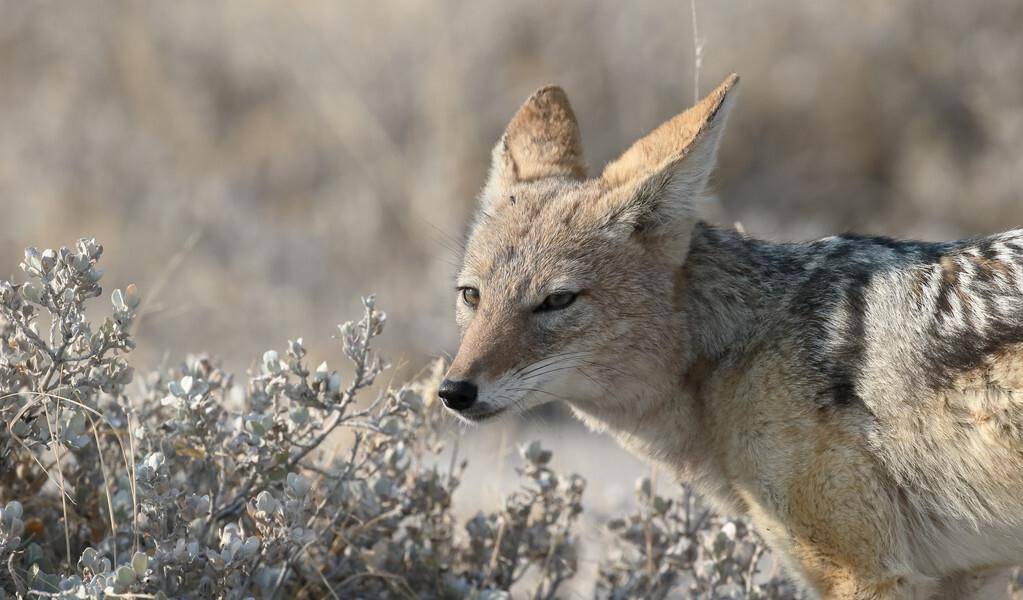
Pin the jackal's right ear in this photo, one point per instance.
(652, 186)
(542, 140)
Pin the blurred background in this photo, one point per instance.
(256, 166)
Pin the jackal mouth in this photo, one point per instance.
(478, 415)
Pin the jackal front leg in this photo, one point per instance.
(839, 529)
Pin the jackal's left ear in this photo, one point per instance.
(542, 140)
(655, 183)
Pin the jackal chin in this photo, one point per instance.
(474, 400)
(502, 403)
(499, 401)
(479, 415)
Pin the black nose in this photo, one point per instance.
(457, 395)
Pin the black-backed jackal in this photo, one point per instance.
(860, 398)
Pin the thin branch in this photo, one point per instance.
(106, 486)
(697, 54)
(55, 439)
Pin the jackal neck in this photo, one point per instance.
(726, 280)
(719, 293)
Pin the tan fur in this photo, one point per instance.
(906, 494)
(542, 139)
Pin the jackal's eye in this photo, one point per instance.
(557, 301)
(470, 295)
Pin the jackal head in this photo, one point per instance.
(570, 286)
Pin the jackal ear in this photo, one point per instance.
(542, 140)
(657, 180)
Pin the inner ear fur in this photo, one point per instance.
(688, 133)
(651, 189)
